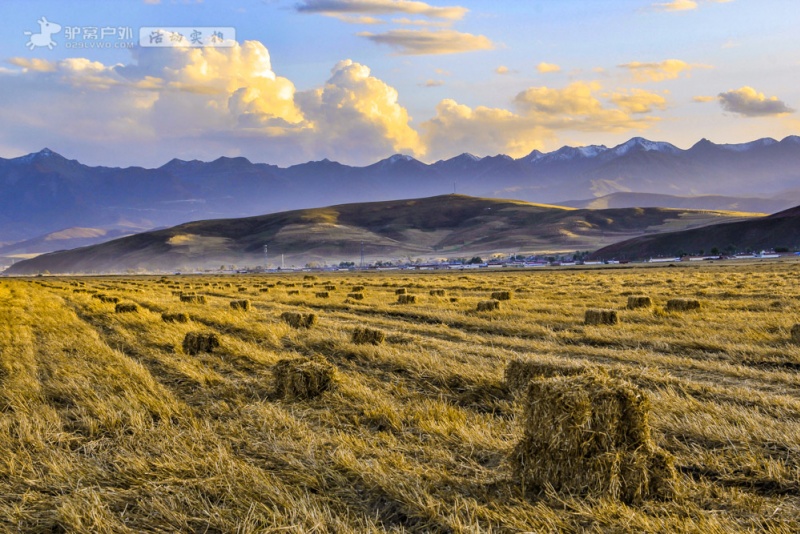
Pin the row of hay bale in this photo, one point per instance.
(586, 433)
(611, 317)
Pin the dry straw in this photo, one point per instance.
(243, 305)
(175, 317)
(299, 320)
(502, 295)
(589, 435)
(594, 317)
(406, 299)
(488, 305)
(301, 378)
(796, 333)
(366, 336)
(683, 304)
(197, 342)
(637, 302)
(521, 371)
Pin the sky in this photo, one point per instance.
(355, 81)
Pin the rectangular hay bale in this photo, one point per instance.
(595, 317)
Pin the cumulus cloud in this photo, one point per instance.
(425, 42)
(380, 7)
(547, 67)
(638, 101)
(748, 102)
(197, 102)
(502, 69)
(542, 113)
(702, 99)
(655, 72)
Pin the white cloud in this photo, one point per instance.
(547, 67)
(380, 7)
(668, 69)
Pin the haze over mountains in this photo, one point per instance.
(44, 193)
(445, 226)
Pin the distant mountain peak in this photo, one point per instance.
(741, 147)
(640, 143)
(43, 154)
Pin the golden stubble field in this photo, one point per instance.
(109, 424)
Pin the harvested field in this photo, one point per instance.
(109, 423)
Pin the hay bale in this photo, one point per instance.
(357, 288)
(242, 289)
(366, 336)
(126, 307)
(293, 292)
(520, 372)
(501, 295)
(197, 342)
(796, 333)
(309, 277)
(194, 299)
(406, 299)
(636, 302)
(488, 305)
(401, 291)
(322, 294)
(329, 287)
(264, 290)
(683, 304)
(299, 320)
(438, 292)
(301, 378)
(594, 317)
(243, 305)
(589, 435)
(453, 299)
(356, 296)
(175, 317)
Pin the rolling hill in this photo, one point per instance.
(44, 192)
(441, 226)
(778, 230)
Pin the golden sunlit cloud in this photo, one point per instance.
(664, 70)
(748, 102)
(702, 99)
(433, 83)
(380, 7)
(502, 69)
(358, 19)
(676, 5)
(638, 101)
(425, 42)
(547, 67)
(35, 64)
(422, 22)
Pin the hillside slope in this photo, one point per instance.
(779, 230)
(443, 226)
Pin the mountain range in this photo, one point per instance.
(443, 226)
(44, 194)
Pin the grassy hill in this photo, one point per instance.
(448, 225)
(778, 230)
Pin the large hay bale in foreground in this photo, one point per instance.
(299, 320)
(406, 299)
(197, 342)
(243, 305)
(796, 333)
(520, 372)
(593, 317)
(175, 317)
(502, 295)
(364, 336)
(194, 299)
(636, 302)
(126, 307)
(301, 378)
(683, 304)
(488, 305)
(589, 435)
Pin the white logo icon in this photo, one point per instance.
(43, 38)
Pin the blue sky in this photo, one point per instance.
(359, 80)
